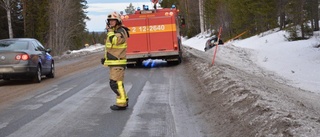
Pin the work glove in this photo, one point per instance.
(102, 60)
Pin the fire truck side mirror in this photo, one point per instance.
(182, 22)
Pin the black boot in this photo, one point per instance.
(115, 107)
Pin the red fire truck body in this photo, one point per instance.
(154, 34)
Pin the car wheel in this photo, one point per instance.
(52, 72)
(37, 76)
(6, 79)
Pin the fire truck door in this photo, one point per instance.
(162, 30)
(138, 43)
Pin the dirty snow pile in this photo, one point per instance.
(260, 86)
(84, 51)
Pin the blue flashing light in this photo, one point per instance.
(146, 7)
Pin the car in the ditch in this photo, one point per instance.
(25, 58)
(212, 42)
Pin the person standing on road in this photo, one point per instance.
(115, 58)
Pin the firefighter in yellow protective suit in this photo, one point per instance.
(115, 58)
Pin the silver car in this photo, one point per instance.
(25, 58)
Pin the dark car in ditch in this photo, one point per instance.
(25, 58)
(212, 42)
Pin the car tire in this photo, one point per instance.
(179, 60)
(37, 76)
(139, 63)
(6, 79)
(52, 72)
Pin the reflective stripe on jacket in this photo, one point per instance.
(116, 47)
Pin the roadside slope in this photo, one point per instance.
(236, 101)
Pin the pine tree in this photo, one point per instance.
(130, 9)
(79, 22)
(297, 13)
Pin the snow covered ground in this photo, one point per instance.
(296, 61)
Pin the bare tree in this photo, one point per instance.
(201, 15)
(191, 14)
(224, 19)
(7, 6)
(65, 25)
(24, 14)
(58, 32)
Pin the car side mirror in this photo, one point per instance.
(48, 50)
(182, 22)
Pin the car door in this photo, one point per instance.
(42, 56)
(47, 56)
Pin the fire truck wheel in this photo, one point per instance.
(139, 63)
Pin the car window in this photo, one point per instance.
(38, 47)
(13, 45)
(39, 43)
(34, 46)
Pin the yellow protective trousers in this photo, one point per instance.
(116, 84)
(122, 98)
(118, 88)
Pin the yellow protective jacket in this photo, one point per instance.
(116, 46)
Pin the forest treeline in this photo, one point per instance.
(299, 17)
(60, 24)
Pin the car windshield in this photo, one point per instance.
(13, 45)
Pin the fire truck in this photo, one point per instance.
(154, 34)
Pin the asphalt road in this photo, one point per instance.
(76, 103)
(193, 99)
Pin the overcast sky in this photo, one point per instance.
(99, 9)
